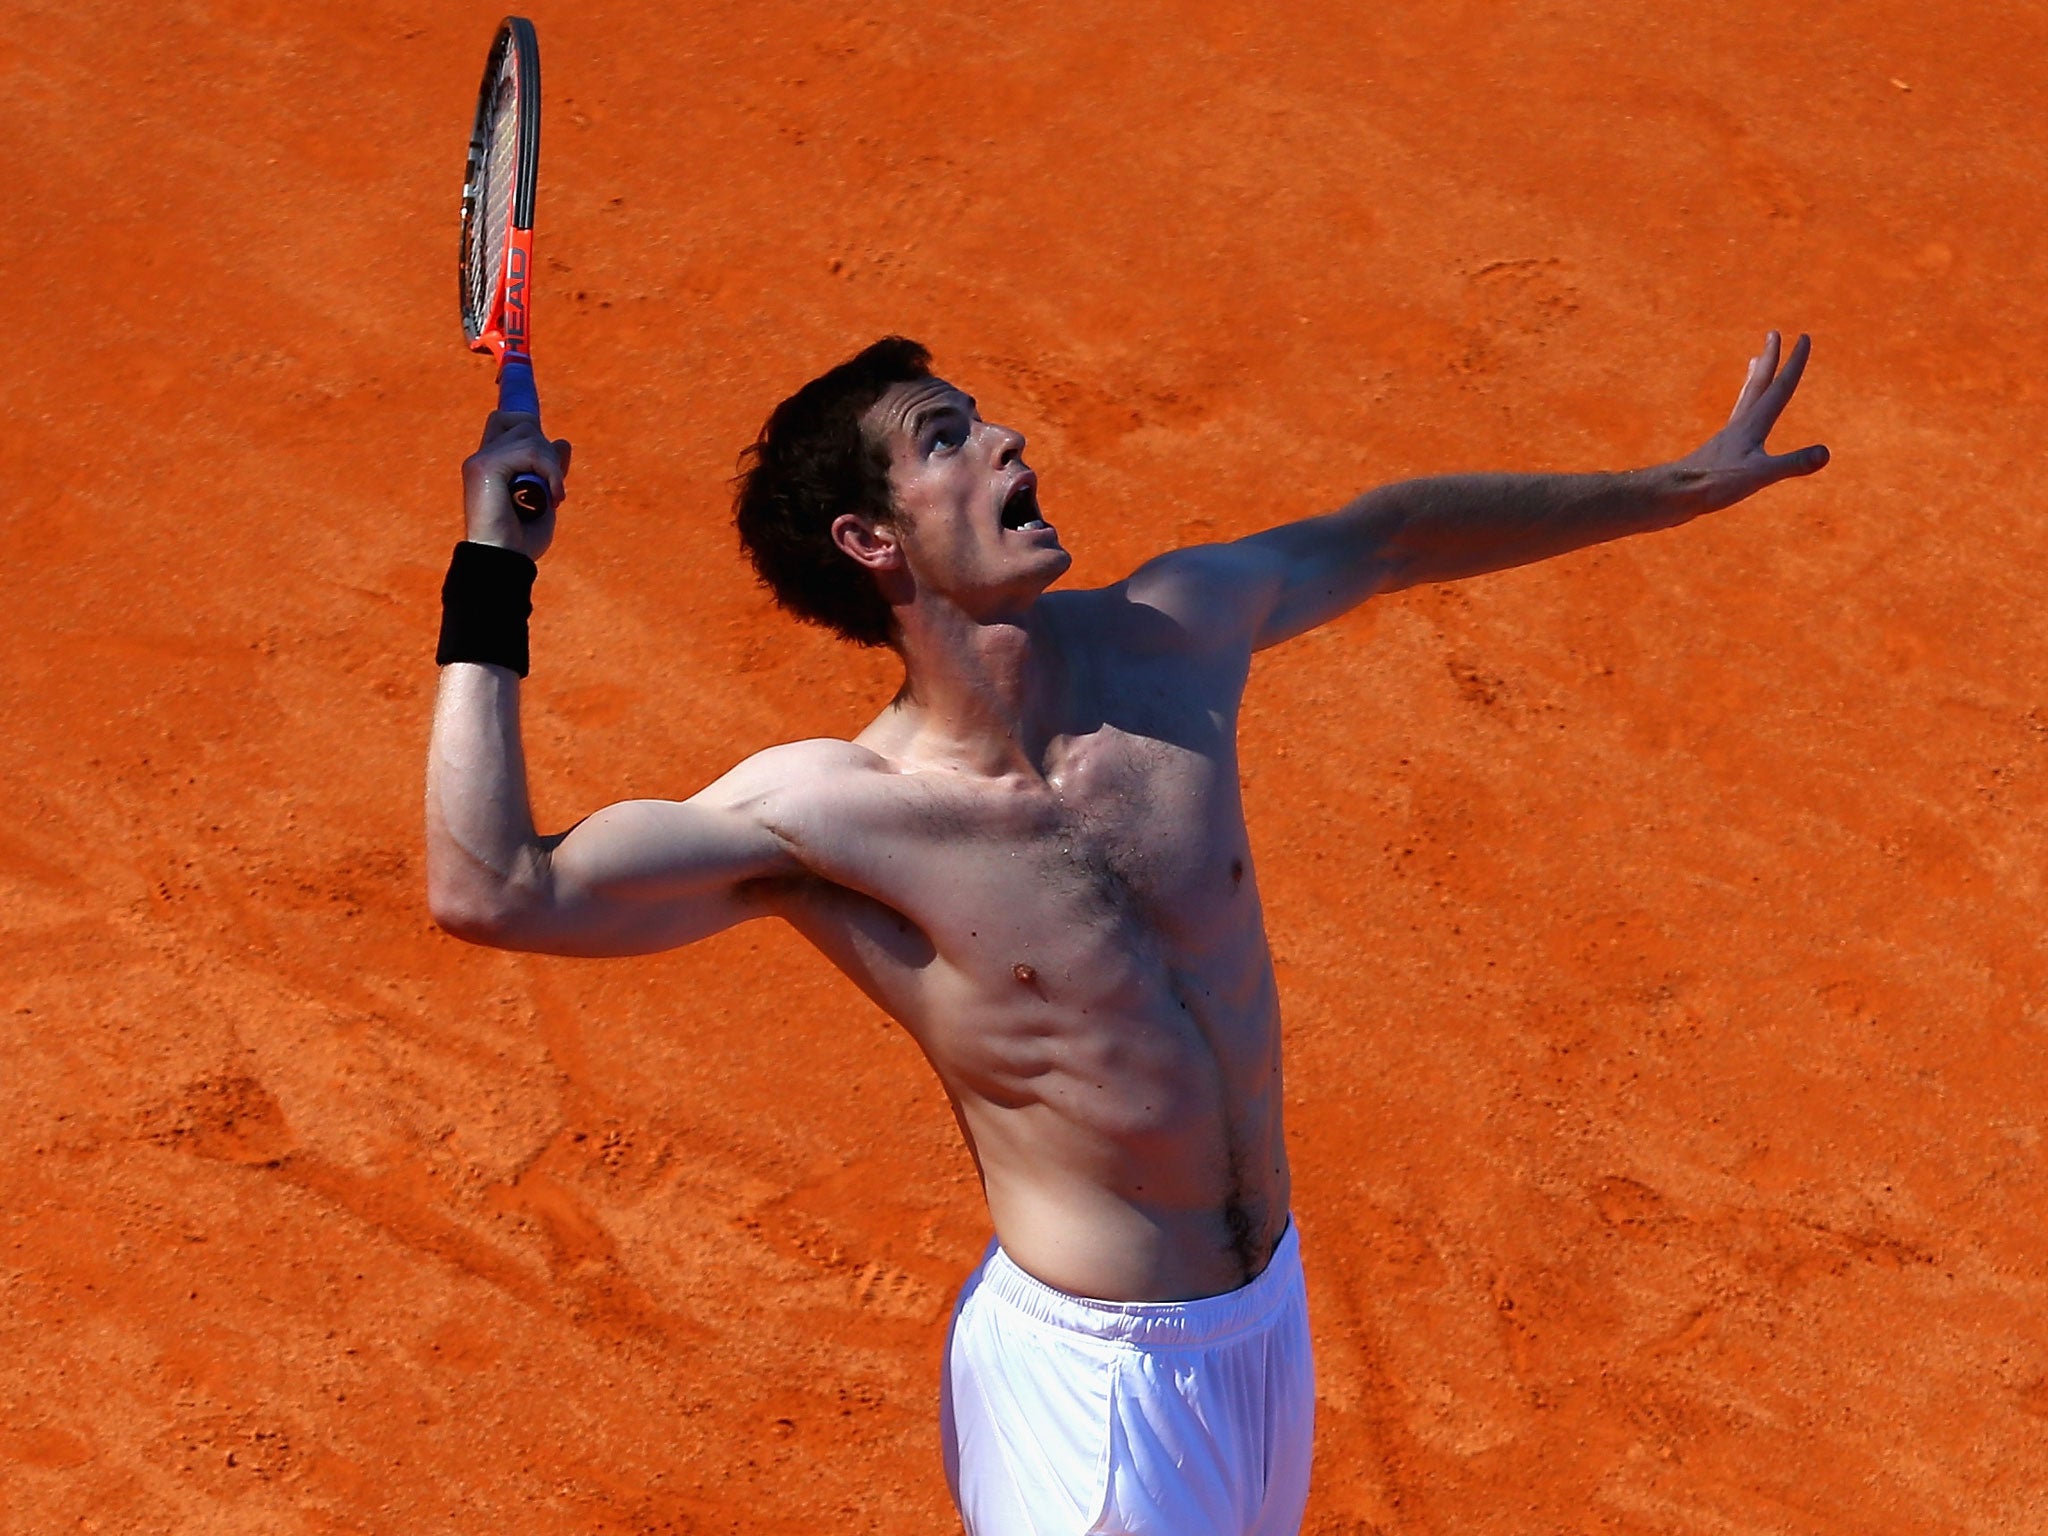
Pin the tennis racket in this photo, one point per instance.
(497, 229)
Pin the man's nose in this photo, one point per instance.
(1009, 443)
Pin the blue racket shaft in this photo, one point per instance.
(516, 392)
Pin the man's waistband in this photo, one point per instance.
(1206, 1320)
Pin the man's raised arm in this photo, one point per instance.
(1444, 528)
(634, 877)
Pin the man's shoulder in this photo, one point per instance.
(817, 763)
(1196, 574)
(782, 780)
(836, 805)
(1184, 600)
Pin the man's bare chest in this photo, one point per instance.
(1154, 827)
(1126, 838)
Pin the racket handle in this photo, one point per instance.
(516, 392)
(529, 496)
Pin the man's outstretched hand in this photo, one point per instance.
(1734, 463)
(513, 444)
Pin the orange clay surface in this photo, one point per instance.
(1660, 929)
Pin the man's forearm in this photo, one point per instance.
(485, 866)
(1451, 526)
(481, 847)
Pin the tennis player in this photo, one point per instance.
(1035, 859)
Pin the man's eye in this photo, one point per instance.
(951, 436)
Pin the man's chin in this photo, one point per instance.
(1046, 567)
(1058, 561)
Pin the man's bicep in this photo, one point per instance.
(652, 850)
(647, 875)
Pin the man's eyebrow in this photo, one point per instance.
(939, 407)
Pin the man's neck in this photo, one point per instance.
(980, 692)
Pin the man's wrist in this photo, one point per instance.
(1674, 492)
(496, 538)
(486, 600)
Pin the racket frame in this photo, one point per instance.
(504, 328)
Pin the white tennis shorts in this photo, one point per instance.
(1063, 1416)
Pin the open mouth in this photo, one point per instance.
(1020, 507)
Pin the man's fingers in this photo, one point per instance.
(1773, 401)
(515, 436)
(1761, 367)
(500, 423)
(1805, 461)
(562, 454)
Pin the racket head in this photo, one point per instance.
(497, 195)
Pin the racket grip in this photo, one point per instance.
(516, 392)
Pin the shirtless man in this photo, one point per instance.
(1034, 858)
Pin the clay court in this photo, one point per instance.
(1659, 929)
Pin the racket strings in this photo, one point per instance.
(491, 196)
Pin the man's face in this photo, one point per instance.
(969, 523)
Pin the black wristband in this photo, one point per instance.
(486, 600)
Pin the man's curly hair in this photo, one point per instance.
(812, 463)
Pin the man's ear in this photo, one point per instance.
(870, 545)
